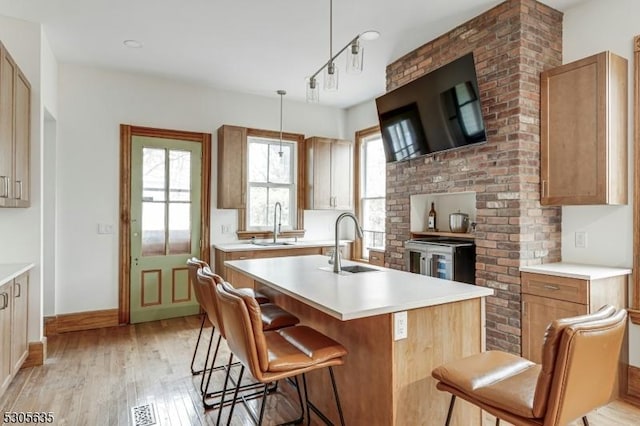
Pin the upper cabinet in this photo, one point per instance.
(584, 132)
(329, 174)
(15, 113)
(232, 164)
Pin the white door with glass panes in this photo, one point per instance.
(372, 192)
(165, 226)
(271, 179)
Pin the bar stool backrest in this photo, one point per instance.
(242, 318)
(194, 264)
(207, 281)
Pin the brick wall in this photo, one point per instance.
(511, 43)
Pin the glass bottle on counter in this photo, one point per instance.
(431, 220)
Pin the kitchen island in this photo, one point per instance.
(386, 379)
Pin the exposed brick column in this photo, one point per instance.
(511, 43)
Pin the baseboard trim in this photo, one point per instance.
(37, 354)
(633, 382)
(80, 321)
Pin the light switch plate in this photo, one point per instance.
(581, 239)
(400, 325)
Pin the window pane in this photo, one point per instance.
(282, 195)
(179, 228)
(153, 174)
(375, 169)
(153, 231)
(179, 175)
(280, 166)
(373, 214)
(258, 160)
(257, 206)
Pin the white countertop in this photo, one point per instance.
(576, 270)
(9, 271)
(290, 245)
(350, 296)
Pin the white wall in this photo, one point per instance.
(92, 104)
(21, 229)
(590, 28)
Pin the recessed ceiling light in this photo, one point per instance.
(132, 44)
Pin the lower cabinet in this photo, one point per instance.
(376, 257)
(546, 298)
(14, 347)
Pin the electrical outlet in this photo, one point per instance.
(224, 229)
(105, 228)
(581, 239)
(400, 325)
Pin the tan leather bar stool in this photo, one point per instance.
(578, 371)
(194, 264)
(274, 355)
(274, 317)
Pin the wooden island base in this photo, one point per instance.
(387, 382)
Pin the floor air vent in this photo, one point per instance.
(144, 415)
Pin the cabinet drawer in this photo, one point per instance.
(240, 255)
(559, 288)
(376, 257)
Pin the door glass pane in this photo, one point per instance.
(282, 195)
(153, 174)
(153, 230)
(179, 175)
(280, 166)
(257, 206)
(179, 228)
(258, 160)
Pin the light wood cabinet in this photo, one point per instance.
(547, 297)
(14, 347)
(232, 164)
(15, 119)
(329, 174)
(584, 132)
(376, 257)
(5, 336)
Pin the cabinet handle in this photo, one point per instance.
(551, 287)
(544, 188)
(5, 296)
(19, 189)
(5, 187)
(19, 292)
(242, 257)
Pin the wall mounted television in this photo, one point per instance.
(436, 112)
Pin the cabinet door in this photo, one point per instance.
(537, 314)
(583, 124)
(376, 257)
(19, 344)
(21, 181)
(232, 160)
(320, 162)
(341, 175)
(7, 71)
(5, 336)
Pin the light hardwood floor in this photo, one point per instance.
(95, 377)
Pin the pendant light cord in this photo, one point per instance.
(281, 93)
(330, 31)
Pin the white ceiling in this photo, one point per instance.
(249, 46)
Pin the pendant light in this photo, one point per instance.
(281, 93)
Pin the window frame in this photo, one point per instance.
(243, 232)
(272, 185)
(360, 136)
(634, 311)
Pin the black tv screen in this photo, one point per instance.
(436, 112)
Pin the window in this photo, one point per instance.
(271, 179)
(371, 189)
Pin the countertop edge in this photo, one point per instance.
(229, 247)
(13, 270)
(580, 271)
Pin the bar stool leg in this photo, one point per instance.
(585, 421)
(335, 393)
(213, 362)
(453, 401)
(224, 388)
(235, 397)
(195, 350)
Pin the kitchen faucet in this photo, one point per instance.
(278, 228)
(336, 252)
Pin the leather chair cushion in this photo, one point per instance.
(299, 347)
(274, 317)
(496, 378)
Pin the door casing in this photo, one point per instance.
(124, 261)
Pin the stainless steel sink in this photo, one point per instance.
(272, 244)
(354, 269)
